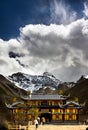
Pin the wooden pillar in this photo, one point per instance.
(78, 116)
(63, 118)
(13, 118)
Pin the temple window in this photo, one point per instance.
(16, 110)
(54, 117)
(55, 110)
(67, 110)
(52, 110)
(36, 103)
(66, 117)
(52, 102)
(59, 110)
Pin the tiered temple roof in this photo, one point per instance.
(45, 97)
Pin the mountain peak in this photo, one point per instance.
(34, 82)
(48, 74)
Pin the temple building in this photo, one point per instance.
(52, 107)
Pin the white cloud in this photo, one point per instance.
(85, 11)
(59, 49)
(56, 48)
(62, 12)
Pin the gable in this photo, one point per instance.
(71, 104)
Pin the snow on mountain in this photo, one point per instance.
(69, 84)
(86, 76)
(51, 77)
(34, 83)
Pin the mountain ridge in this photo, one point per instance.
(8, 91)
(34, 82)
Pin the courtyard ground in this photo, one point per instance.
(59, 127)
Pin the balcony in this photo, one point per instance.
(43, 105)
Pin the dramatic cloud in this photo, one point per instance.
(60, 49)
(57, 47)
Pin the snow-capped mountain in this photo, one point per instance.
(34, 83)
(86, 76)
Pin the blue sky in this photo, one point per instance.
(17, 13)
(44, 35)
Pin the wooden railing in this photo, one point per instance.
(17, 127)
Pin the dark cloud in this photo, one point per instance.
(20, 63)
(13, 55)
